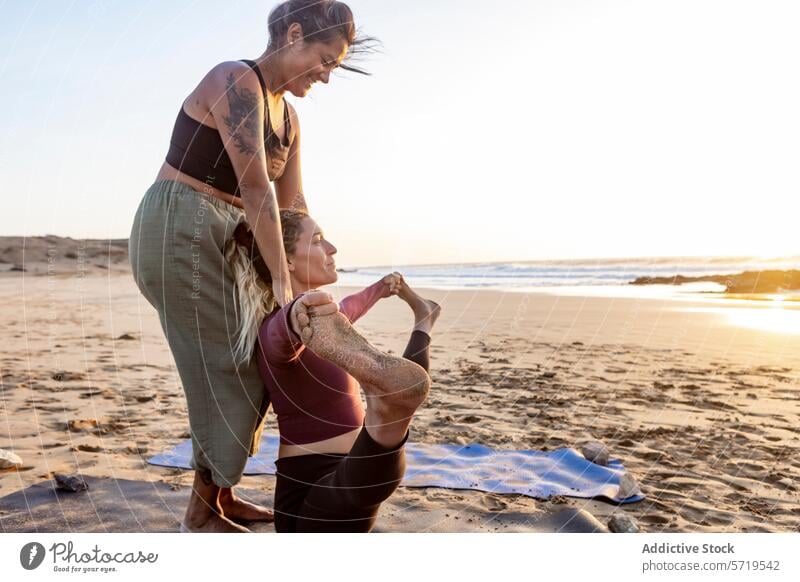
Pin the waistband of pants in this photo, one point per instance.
(175, 188)
(364, 446)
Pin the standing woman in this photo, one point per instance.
(235, 134)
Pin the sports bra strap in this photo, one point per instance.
(261, 80)
(286, 120)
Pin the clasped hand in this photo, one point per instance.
(313, 303)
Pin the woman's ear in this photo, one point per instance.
(289, 264)
(295, 33)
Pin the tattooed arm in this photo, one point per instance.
(238, 112)
(289, 186)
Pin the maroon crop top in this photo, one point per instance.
(313, 398)
(197, 150)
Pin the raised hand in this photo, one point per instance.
(393, 284)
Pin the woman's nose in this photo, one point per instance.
(331, 249)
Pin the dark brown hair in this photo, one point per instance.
(291, 225)
(321, 21)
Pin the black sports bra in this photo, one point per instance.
(197, 150)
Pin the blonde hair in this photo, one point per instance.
(253, 295)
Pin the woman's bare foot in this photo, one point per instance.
(388, 377)
(202, 513)
(215, 523)
(426, 311)
(394, 387)
(239, 510)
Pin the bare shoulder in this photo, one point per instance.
(231, 73)
(216, 83)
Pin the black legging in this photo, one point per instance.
(338, 492)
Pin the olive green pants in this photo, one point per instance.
(176, 252)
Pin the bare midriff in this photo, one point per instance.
(167, 172)
(337, 445)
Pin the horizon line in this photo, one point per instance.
(606, 259)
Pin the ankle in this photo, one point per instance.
(228, 502)
(425, 326)
(419, 306)
(199, 513)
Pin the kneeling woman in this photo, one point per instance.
(337, 462)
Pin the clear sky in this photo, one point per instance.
(506, 130)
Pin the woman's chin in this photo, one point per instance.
(327, 279)
(300, 91)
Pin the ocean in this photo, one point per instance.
(604, 276)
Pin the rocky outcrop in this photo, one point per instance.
(745, 282)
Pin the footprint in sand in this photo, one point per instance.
(90, 448)
(655, 519)
(82, 425)
(493, 504)
(67, 376)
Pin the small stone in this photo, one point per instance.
(462, 441)
(596, 452)
(145, 398)
(786, 482)
(72, 483)
(628, 486)
(126, 336)
(9, 460)
(621, 523)
(81, 425)
(90, 448)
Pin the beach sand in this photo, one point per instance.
(703, 413)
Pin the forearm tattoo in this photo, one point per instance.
(241, 122)
(270, 202)
(299, 202)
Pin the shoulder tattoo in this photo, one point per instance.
(241, 122)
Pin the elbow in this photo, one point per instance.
(258, 201)
(254, 190)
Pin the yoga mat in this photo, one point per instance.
(532, 473)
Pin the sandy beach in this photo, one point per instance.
(702, 412)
